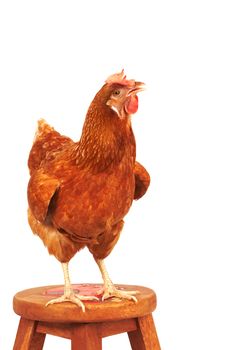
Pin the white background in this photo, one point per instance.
(55, 55)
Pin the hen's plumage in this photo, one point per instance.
(79, 192)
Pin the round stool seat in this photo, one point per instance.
(30, 304)
(85, 329)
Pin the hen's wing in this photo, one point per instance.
(142, 180)
(46, 143)
(41, 189)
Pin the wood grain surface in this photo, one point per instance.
(30, 304)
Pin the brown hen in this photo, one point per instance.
(80, 192)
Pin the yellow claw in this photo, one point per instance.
(73, 298)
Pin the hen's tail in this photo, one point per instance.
(43, 128)
(46, 141)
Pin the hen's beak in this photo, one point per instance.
(139, 86)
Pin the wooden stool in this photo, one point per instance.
(85, 329)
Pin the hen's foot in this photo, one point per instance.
(111, 291)
(73, 298)
(69, 294)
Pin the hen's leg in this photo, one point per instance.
(69, 294)
(109, 290)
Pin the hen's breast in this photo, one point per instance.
(88, 204)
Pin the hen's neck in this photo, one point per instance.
(105, 141)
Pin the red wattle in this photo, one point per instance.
(131, 105)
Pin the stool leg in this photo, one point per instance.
(27, 338)
(85, 337)
(145, 337)
(37, 341)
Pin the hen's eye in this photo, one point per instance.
(116, 92)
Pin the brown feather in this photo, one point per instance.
(142, 180)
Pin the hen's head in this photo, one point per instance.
(120, 94)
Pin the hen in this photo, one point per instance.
(80, 192)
